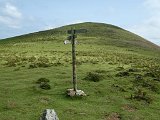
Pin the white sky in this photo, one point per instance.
(25, 16)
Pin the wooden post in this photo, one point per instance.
(74, 61)
(72, 37)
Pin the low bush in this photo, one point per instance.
(42, 80)
(147, 83)
(122, 74)
(45, 86)
(32, 59)
(12, 61)
(142, 95)
(43, 83)
(119, 68)
(133, 70)
(94, 76)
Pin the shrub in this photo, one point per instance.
(45, 86)
(147, 83)
(12, 61)
(120, 88)
(133, 70)
(142, 95)
(42, 62)
(43, 83)
(122, 74)
(94, 76)
(42, 80)
(119, 68)
(149, 74)
(32, 66)
(31, 59)
(154, 72)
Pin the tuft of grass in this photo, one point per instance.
(94, 76)
(142, 95)
(122, 74)
(43, 83)
(42, 80)
(45, 86)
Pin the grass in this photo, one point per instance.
(25, 59)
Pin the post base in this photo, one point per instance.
(71, 93)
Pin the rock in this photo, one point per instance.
(49, 114)
(71, 93)
(80, 93)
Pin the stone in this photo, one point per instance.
(80, 93)
(49, 114)
(71, 93)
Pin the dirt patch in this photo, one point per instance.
(113, 116)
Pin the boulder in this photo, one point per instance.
(49, 114)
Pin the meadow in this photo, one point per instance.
(122, 81)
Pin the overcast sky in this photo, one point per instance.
(25, 16)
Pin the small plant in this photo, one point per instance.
(32, 59)
(12, 61)
(133, 70)
(43, 83)
(147, 83)
(45, 86)
(149, 74)
(122, 74)
(119, 68)
(142, 95)
(94, 76)
(119, 88)
(31, 66)
(42, 80)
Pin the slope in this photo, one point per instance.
(98, 33)
(118, 70)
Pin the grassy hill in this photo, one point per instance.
(118, 70)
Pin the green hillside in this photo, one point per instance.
(98, 33)
(118, 70)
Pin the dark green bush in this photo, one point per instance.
(133, 70)
(119, 88)
(42, 80)
(45, 86)
(149, 74)
(142, 95)
(154, 72)
(43, 83)
(147, 83)
(94, 76)
(33, 66)
(119, 68)
(31, 59)
(122, 74)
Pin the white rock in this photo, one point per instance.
(80, 93)
(49, 114)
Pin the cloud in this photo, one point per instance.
(12, 11)
(10, 16)
(152, 4)
(150, 27)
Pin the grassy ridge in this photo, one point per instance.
(98, 33)
(125, 66)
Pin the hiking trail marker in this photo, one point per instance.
(71, 39)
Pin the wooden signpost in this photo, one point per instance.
(72, 38)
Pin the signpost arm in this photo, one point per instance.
(74, 61)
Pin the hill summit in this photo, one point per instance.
(98, 33)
